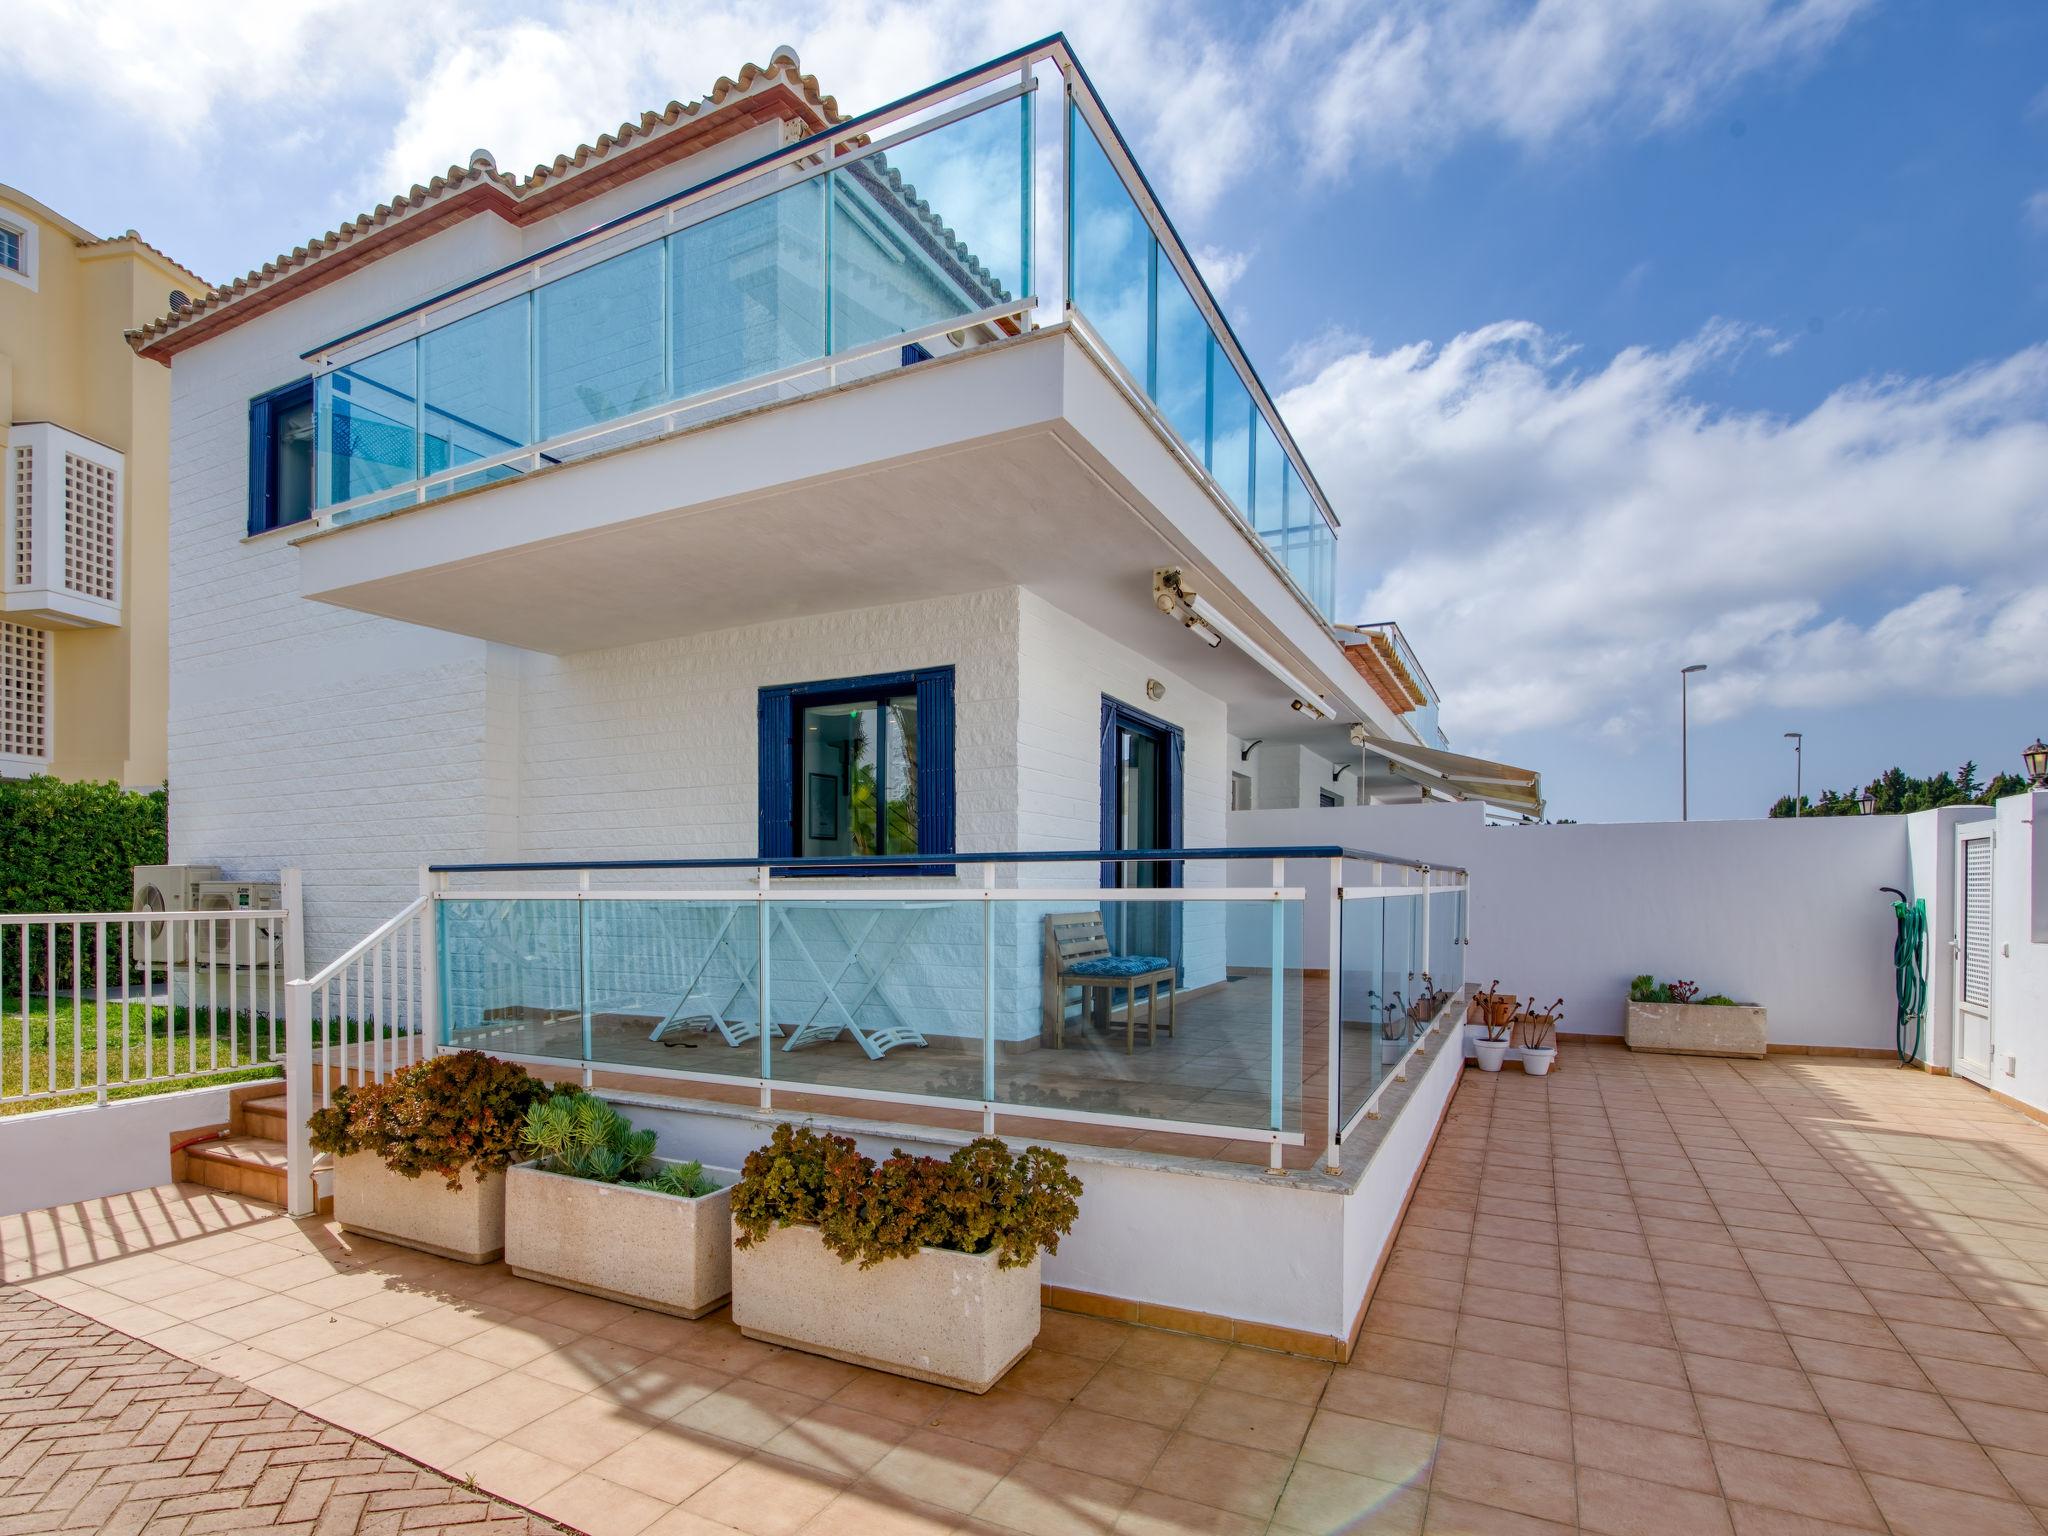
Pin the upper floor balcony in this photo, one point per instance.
(63, 523)
(959, 328)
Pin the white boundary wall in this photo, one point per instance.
(1783, 913)
(2019, 962)
(62, 1156)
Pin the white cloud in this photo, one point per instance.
(1558, 540)
(1318, 82)
(1221, 268)
(2034, 210)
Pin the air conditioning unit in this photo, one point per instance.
(166, 888)
(248, 945)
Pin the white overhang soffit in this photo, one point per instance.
(1471, 778)
(1198, 614)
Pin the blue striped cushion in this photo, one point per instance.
(1119, 965)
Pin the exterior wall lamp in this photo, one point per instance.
(1867, 803)
(2036, 759)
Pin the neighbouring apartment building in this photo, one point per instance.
(86, 516)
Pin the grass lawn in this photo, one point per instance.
(151, 1048)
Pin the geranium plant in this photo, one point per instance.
(460, 1111)
(982, 1199)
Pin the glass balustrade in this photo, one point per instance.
(926, 232)
(804, 283)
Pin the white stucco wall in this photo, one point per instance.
(1784, 913)
(61, 1156)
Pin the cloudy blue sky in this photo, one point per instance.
(1623, 333)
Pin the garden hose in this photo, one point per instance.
(1909, 974)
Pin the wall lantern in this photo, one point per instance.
(1867, 804)
(2036, 759)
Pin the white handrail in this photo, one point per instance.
(368, 942)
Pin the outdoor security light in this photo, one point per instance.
(1867, 804)
(2036, 759)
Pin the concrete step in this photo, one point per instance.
(253, 1166)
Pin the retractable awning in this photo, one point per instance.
(1467, 778)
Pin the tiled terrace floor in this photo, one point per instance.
(1799, 1295)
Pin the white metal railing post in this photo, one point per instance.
(988, 1000)
(100, 1011)
(1428, 890)
(583, 964)
(430, 965)
(1276, 1084)
(763, 916)
(1333, 1159)
(298, 1095)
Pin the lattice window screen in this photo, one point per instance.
(24, 515)
(24, 691)
(91, 528)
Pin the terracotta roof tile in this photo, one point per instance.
(481, 181)
(135, 239)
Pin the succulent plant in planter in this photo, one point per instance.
(923, 1266)
(458, 1116)
(596, 1211)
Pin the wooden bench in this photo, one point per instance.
(1077, 954)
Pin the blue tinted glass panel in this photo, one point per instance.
(1109, 276)
(368, 425)
(747, 290)
(599, 342)
(1230, 429)
(476, 377)
(1269, 480)
(1181, 387)
(929, 230)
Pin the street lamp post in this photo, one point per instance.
(1684, 743)
(1798, 740)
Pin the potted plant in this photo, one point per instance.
(1539, 1037)
(457, 1116)
(1497, 1022)
(596, 1211)
(1672, 1017)
(1393, 1032)
(921, 1266)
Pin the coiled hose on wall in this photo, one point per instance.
(1909, 973)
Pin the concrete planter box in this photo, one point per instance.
(651, 1250)
(466, 1224)
(952, 1318)
(1693, 1029)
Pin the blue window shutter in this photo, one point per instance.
(259, 464)
(777, 775)
(935, 801)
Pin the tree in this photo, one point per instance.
(1898, 792)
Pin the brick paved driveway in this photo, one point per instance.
(100, 1432)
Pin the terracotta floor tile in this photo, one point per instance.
(1230, 1477)
(1101, 1443)
(1616, 1505)
(1730, 1421)
(1994, 1424)
(838, 1441)
(1958, 1464)
(665, 1464)
(1386, 1452)
(894, 1397)
(1731, 1341)
(589, 1504)
(1632, 1362)
(1622, 1323)
(514, 1473)
(810, 1375)
(584, 1431)
(498, 1409)
(763, 1496)
(869, 1512)
(1318, 1500)
(927, 1465)
(1170, 1354)
(1495, 1375)
(1288, 1377)
(1481, 1474)
(1488, 1420)
(1872, 1403)
(1792, 1483)
(1634, 1402)
(1391, 1399)
(1920, 1509)
(1159, 1514)
(1145, 1396)
(1050, 1374)
(1069, 1333)
(1247, 1419)
(1638, 1451)
(1041, 1499)
(1777, 1385)
(1448, 1516)
(746, 1412)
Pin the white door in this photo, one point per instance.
(1971, 947)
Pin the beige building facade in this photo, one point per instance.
(84, 526)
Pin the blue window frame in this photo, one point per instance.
(281, 457)
(858, 767)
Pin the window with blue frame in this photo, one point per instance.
(858, 767)
(281, 457)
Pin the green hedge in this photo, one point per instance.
(70, 848)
